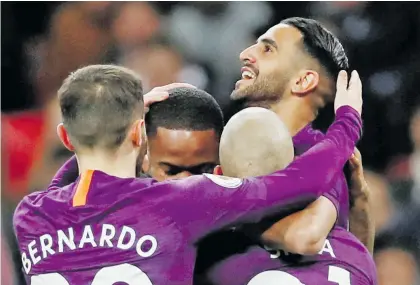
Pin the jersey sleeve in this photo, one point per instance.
(207, 203)
(333, 194)
(67, 174)
(308, 137)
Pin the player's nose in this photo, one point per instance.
(247, 56)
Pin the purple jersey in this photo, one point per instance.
(339, 193)
(235, 242)
(343, 261)
(103, 229)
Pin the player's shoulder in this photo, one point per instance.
(36, 199)
(204, 180)
(174, 187)
(142, 186)
(40, 201)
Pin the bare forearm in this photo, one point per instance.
(288, 234)
(362, 224)
(303, 232)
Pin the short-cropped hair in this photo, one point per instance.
(186, 108)
(99, 103)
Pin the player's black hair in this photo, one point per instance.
(321, 44)
(185, 109)
(99, 103)
(416, 107)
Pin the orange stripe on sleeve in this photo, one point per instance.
(79, 198)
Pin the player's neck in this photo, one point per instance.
(293, 115)
(122, 166)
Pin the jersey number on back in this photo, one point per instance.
(126, 273)
(274, 277)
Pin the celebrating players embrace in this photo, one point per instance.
(80, 229)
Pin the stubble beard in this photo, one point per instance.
(264, 92)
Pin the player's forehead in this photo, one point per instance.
(282, 34)
(184, 143)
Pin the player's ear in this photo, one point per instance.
(137, 133)
(218, 170)
(146, 164)
(64, 137)
(305, 82)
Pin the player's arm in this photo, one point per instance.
(361, 219)
(219, 204)
(305, 231)
(224, 202)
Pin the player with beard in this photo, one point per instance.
(291, 70)
(110, 227)
(183, 134)
(183, 137)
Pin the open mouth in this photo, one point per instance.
(248, 73)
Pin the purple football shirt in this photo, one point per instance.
(103, 229)
(343, 261)
(339, 193)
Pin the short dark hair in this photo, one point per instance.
(321, 44)
(99, 103)
(185, 109)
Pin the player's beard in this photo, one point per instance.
(263, 92)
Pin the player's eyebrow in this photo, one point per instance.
(269, 42)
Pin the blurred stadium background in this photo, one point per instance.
(199, 43)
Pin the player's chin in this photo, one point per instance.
(244, 83)
(235, 95)
(240, 92)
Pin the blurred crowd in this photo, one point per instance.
(199, 43)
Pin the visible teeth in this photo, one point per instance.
(247, 75)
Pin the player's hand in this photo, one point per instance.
(161, 93)
(351, 95)
(359, 186)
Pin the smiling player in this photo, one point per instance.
(110, 226)
(291, 70)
